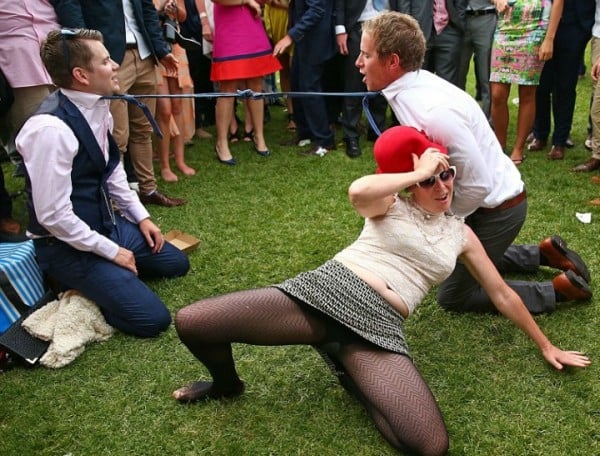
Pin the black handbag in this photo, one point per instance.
(173, 35)
(169, 29)
(19, 342)
(6, 95)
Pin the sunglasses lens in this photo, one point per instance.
(428, 182)
(445, 176)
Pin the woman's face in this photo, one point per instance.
(435, 194)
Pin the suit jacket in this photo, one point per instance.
(422, 11)
(312, 28)
(108, 17)
(579, 12)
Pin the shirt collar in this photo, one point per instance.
(403, 82)
(85, 99)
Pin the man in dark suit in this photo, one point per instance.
(312, 33)
(443, 36)
(350, 14)
(557, 90)
(133, 37)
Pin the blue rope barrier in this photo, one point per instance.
(245, 94)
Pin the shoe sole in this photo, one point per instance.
(579, 283)
(561, 246)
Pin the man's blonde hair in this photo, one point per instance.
(400, 34)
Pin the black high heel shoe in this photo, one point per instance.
(262, 153)
(231, 162)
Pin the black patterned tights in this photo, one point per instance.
(388, 384)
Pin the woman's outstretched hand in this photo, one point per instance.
(559, 358)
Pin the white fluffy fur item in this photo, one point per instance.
(68, 323)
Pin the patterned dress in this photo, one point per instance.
(519, 34)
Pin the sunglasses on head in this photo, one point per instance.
(65, 34)
(444, 176)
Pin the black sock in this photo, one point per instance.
(560, 297)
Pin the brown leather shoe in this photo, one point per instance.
(537, 144)
(557, 255)
(590, 165)
(570, 287)
(160, 199)
(9, 226)
(556, 153)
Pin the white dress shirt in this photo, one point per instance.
(486, 177)
(48, 147)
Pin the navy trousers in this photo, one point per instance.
(557, 91)
(125, 300)
(310, 113)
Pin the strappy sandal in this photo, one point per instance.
(233, 136)
(249, 135)
(518, 161)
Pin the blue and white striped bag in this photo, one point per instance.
(21, 281)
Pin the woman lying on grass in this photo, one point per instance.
(352, 308)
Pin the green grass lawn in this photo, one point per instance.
(267, 219)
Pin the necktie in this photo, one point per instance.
(440, 15)
(369, 116)
(379, 5)
(131, 99)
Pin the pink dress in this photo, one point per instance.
(24, 25)
(241, 48)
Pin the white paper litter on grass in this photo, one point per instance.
(584, 217)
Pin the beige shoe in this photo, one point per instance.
(595, 202)
(202, 134)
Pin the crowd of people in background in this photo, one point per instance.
(537, 44)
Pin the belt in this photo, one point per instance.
(130, 45)
(481, 12)
(505, 205)
(44, 241)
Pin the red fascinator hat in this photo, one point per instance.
(394, 148)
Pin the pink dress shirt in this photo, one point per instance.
(24, 24)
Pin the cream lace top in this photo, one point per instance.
(408, 248)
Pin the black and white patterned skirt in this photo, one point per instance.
(339, 293)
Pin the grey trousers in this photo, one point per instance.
(497, 231)
(477, 43)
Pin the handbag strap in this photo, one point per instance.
(11, 294)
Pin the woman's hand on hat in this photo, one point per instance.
(430, 162)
